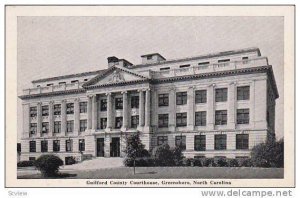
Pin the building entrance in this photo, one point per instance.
(100, 147)
(115, 147)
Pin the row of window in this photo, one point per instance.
(56, 145)
(220, 141)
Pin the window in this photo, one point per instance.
(149, 57)
(134, 121)
(83, 125)
(57, 127)
(200, 143)
(203, 63)
(19, 147)
(33, 128)
(62, 83)
(164, 68)
(200, 118)
(119, 121)
(31, 158)
(181, 98)
(69, 145)
(81, 145)
(44, 146)
(119, 103)
(70, 108)
(223, 60)
(181, 119)
(103, 103)
(163, 100)
(74, 81)
(245, 60)
(70, 126)
(57, 109)
(45, 110)
(50, 84)
(83, 107)
(243, 93)
(200, 96)
(85, 79)
(242, 141)
(103, 123)
(163, 120)
(45, 127)
(162, 140)
(33, 112)
(56, 145)
(32, 146)
(220, 142)
(180, 141)
(221, 95)
(135, 102)
(242, 116)
(184, 66)
(221, 117)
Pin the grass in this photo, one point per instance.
(170, 173)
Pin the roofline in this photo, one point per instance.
(151, 54)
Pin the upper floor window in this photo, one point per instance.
(181, 119)
(180, 141)
(57, 109)
(33, 128)
(103, 123)
(221, 95)
(81, 145)
(164, 68)
(203, 63)
(163, 100)
(45, 127)
(184, 66)
(200, 96)
(50, 84)
(70, 108)
(181, 98)
(200, 118)
(57, 127)
(74, 81)
(56, 145)
(242, 116)
(242, 141)
(119, 103)
(70, 126)
(83, 125)
(149, 57)
(163, 120)
(134, 121)
(221, 117)
(162, 140)
(220, 142)
(243, 93)
(83, 107)
(33, 112)
(44, 146)
(62, 83)
(200, 143)
(32, 146)
(134, 101)
(119, 122)
(45, 110)
(223, 60)
(69, 145)
(103, 104)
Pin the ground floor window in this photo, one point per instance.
(200, 143)
(44, 146)
(32, 146)
(162, 140)
(81, 145)
(242, 141)
(180, 141)
(56, 145)
(31, 158)
(220, 142)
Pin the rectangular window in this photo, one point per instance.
(119, 103)
(203, 63)
(162, 140)
(50, 84)
(33, 128)
(70, 126)
(103, 103)
(200, 96)
(221, 117)
(57, 109)
(163, 120)
(57, 127)
(164, 68)
(200, 118)
(70, 108)
(31, 158)
(83, 125)
(69, 145)
(181, 119)
(134, 121)
(45, 110)
(184, 66)
(45, 127)
(223, 60)
(242, 116)
(56, 145)
(83, 107)
(163, 100)
(62, 83)
(180, 141)
(220, 142)
(134, 101)
(33, 112)
(81, 145)
(103, 123)
(242, 141)
(181, 98)
(243, 93)
(200, 143)
(44, 146)
(149, 57)
(32, 146)
(74, 81)
(119, 121)
(221, 95)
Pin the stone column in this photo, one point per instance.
(26, 120)
(63, 117)
(191, 108)
(141, 108)
(39, 119)
(252, 102)
(125, 111)
(147, 108)
(89, 113)
(154, 106)
(76, 117)
(94, 112)
(172, 109)
(51, 123)
(231, 105)
(109, 111)
(211, 107)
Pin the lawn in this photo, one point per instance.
(170, 173)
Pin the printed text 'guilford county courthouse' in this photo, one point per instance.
(219, 104)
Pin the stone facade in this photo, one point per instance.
(218, 104)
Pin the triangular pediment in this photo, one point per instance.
(115, 75)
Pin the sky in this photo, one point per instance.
(53, 46)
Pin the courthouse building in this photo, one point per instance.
(219, 104)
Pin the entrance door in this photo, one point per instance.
(100, 147)
(115, 147)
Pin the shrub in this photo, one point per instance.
(25, 163)
(163, 155)
(198, 162)
(70, 160)
(246, 163)
(221, 162)
(48, 165)
(233, 163)
(186, 161)
(177, 156)
(209, 162)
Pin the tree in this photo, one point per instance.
(48, 165)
